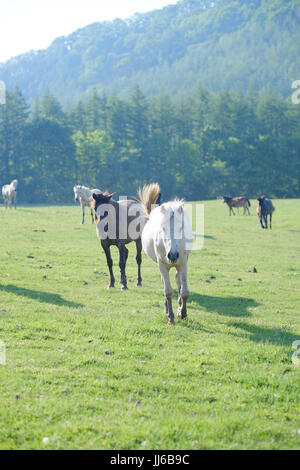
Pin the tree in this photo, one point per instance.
(13, 118)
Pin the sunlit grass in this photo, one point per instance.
(91, 368)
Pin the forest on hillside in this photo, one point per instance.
(234, 45)
(197, 147)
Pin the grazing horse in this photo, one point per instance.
(9, 193)
(265, 207)
(237, 202)
(84, 196)
(167, 239)
(120, 223)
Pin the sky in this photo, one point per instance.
(33, 24)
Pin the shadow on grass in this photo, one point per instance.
(208, 237)
(39, 296)
(260, 334)
(229, 306)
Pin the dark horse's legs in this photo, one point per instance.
(106, 249)
(271, 220)
(246, 209)
(122, 263)
(126, 257)
(139, 260)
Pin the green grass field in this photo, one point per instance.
(223, 379)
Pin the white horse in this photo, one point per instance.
(84, 196)
(167, 240)
(9, 193)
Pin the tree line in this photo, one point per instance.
(198, 147)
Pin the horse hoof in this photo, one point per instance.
(171, 321)
(139, 284)
(124, 288)
(110, 287)
(181, 315)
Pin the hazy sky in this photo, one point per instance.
(34, 24)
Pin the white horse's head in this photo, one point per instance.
(14, 184)
(172, 229)
(77, 192)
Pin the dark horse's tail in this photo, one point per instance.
(148, 196)
(249, 204)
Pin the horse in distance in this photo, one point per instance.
(118, 224)
(84, 196)
(167, 240)
(9, 193)
(264, 209)
(240, 201)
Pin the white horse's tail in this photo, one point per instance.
(148, 196)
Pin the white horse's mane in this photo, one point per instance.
(175, 204)
(80, 186)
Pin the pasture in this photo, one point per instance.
(89, 368)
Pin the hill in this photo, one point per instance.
(226, 44)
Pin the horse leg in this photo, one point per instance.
(184, 293)
(109, 261)
(261, 221)
(178, 280)
(122, 264)
(139, 261)
(266, 221)
(83, 213)
(92, 216)
(126, 257)
(168, 291)
(271, 221)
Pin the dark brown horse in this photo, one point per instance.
(240, 201)
(120, 223)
